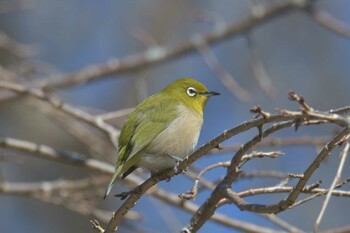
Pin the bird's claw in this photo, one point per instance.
(175, 167)
(177, 163)
(123, 195)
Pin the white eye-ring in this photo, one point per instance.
(191, 91)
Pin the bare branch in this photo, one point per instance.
(306, 140)
(320, 192)
(224, 77)
(344, 229)
(285, 225)
(19, 50)
(343, 156)
(286, 203)
(116, 114)
(191, 194)
(92, 130)
(259, 173)
(287, 189)
(47, 188)
(98, 146)
(258, 68)
(209, 207)
(219, 218)
(96, 225)
(71, 158)
(329, 22)
(160, 54)
(45, 152)
(97, 122)
(10, 6)
(259, 154)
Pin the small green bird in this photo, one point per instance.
(163, 129)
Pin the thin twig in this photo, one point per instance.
(158, 54)
(320, 192)
(223, 76)
(209, 207)
(343, 156)
(280, 222)
(287, 189)
(286, 203)
(191, 194)
(15, 48)
(258, 68)
(329, 22)
(45, 152)
(277, 141)
(259, 154)
(49, 187)
(97, 122)
(11, 6)
(116, 114)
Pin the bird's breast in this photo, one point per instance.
(181, 136)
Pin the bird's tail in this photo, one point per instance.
(114, 177)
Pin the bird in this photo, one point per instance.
(162, 130)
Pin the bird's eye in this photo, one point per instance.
(191, 91)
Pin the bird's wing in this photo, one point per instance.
(145, 123)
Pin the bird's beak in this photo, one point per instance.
(209, 93)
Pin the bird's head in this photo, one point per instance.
(191, 92)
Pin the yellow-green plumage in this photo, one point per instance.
(162, 128)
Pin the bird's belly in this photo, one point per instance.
(155, 163)
(178, 140)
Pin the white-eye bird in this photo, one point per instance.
(163, 129)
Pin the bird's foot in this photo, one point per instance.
(177, 163)
(124, 195)
(184, 170)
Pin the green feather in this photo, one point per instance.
(152, 117)
(145, 123)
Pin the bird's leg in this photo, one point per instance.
(123, 195)
(177, 162)
(177, 159)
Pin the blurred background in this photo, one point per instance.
(56, 38)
